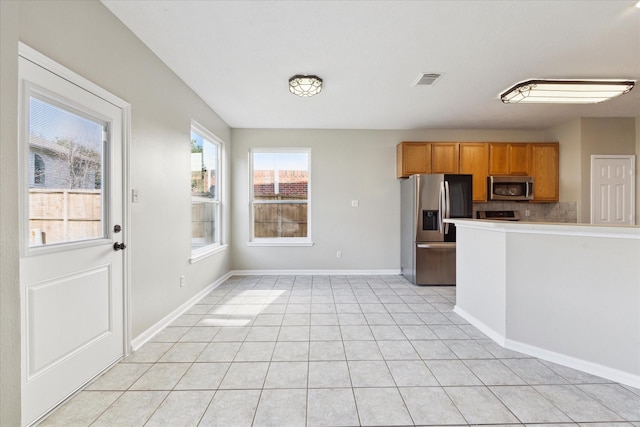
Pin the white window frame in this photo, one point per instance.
(217, 246)
(279, 241)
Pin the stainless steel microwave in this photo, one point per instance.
(516, 188)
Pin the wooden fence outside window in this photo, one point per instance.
(64, 215)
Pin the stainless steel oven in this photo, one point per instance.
(510, 188)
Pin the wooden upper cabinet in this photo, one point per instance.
(412, 158)
(498, 159)
(520, 159)
(481, 159)
(545, 160)
(445, 157)
(509, 159)
(426, 157)
(473, 160)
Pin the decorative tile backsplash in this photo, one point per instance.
(538, 212)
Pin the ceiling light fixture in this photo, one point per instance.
(566, 91)
(303, 85)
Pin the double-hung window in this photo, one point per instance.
(280, 196)
(205, 191)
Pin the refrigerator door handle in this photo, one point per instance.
(447, 211)
(444, 245)
(417, 201)
(441, 209)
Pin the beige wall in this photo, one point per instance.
(346, 165)
(637, 170)
(9, 287)
(568, 135)
(86, 38)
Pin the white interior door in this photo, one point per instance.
(71, 277)
(612, 189)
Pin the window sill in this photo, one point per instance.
(200, 254)
(280, 243)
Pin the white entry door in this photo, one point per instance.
(71, 275)
(612, 189)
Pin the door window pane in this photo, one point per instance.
(66, 157)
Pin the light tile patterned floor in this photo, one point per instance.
(338, 351)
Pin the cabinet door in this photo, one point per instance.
(509, 159)
(498, 159)
(444, 157)
(545, 171)
(519, 159)
(473, 160)
(412, 158)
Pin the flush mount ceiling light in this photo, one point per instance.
(566, 91)
(303, 85)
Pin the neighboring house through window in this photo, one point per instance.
(38, 170)
(63, 162)
(205, 190)
(280, 196)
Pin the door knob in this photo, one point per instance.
(117, 228)
(118, 246)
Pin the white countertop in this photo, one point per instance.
(620, 231)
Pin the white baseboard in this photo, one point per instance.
(491, 333)
(315, 272)
(575, 363)
(144, 337)
(561, 359)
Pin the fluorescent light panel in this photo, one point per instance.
(566, 91)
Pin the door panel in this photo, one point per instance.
(71, 278)
(44, 321)
(612, 190)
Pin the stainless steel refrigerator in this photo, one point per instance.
(428, 246)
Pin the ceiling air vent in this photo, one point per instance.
(426, 79)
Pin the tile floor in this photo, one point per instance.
(338, 351)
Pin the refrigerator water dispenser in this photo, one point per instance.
(429, 220)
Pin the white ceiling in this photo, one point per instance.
(239, 55)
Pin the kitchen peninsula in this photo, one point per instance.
(567, 293)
